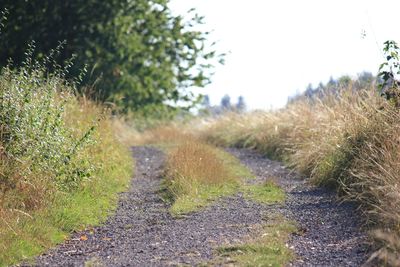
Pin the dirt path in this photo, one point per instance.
(330, 231)
(142, 233)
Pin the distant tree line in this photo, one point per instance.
(224, 106)
(364, 80)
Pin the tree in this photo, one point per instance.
(331, 83)
(206, 102)
(365, 79)
(146, 57)
(309, 92)
(344, 81)
(226, 102)
(241, 104)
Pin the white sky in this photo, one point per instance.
(278, 47)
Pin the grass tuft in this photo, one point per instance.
(197, 174)
(268, 193)
(267, 247)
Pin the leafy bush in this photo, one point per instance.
(35, 141)
(389, 72)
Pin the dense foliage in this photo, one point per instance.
(34, 138)
(139, 55)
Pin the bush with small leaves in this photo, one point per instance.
(389, 72)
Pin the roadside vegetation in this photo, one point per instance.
(60, 165)
(346, 139)
(63, 154)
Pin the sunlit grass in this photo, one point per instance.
(268, 193)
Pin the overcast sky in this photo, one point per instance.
(278, 47)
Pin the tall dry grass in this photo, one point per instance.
(348, 140)
(125, 132)
(192, 164)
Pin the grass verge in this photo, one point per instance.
(61, 166)
(24, 235)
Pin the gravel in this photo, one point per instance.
(143, 233)
(330, 232)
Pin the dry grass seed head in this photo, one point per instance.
(198, 162)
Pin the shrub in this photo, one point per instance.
(38, 148)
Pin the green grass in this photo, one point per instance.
(205, 195)
(234, 165)
(94, 262)
(87, 207)
(268, 193)
(266, 248)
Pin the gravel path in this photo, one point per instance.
(330, 232)
(142, 232)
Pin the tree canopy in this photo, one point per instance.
(139, 55)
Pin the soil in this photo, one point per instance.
(142, 232)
